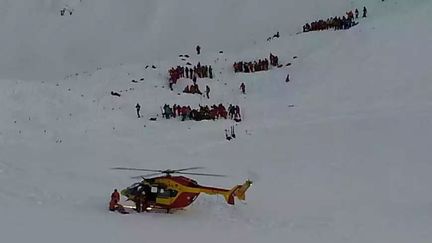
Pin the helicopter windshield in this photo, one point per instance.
(138, 189)
(134, 186)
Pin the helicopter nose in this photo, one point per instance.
(125, 192)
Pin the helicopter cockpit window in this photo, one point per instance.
(154, 189)
(133, 189)
(173, 193)
(167, 193)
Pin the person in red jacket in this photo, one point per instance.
(115, 199)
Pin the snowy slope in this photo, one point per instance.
(40, 44)
(348, 163)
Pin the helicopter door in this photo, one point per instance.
(153, 194)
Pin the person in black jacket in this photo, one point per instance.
(207, 91)
(138, 108)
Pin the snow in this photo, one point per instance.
(349, 162)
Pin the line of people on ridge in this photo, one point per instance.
(202, 113)
(198, 71)
(256, 66)
(336, 23)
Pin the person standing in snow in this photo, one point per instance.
(138, 108)
(356, 13)
(243, 88)
(350, 15)
(364, 12)
(170, 85)
(210, 72)
(198, 50)
(207, 91)
(115, 199)
(287, 78)
(237, 116)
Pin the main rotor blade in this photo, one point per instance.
(200, 174)
(145, 176)
(135, 169)
(190, 168)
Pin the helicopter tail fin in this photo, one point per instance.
(238, 191)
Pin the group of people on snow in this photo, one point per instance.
(274, 60)
(202, 113)
(256, 66)
(200, 71)
(251, 67)
(194, 89)
(336, 23)
(63, 11)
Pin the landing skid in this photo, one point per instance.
(150, 209)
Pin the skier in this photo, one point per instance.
(198, 49)
(287, 78)
(243, 88)
(207, 91)
(364, 12)
(356, 13)
(138, 108)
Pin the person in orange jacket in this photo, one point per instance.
(115, 199)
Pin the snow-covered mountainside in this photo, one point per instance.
(41, 44)
(341, 153)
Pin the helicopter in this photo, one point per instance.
(170, 190)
